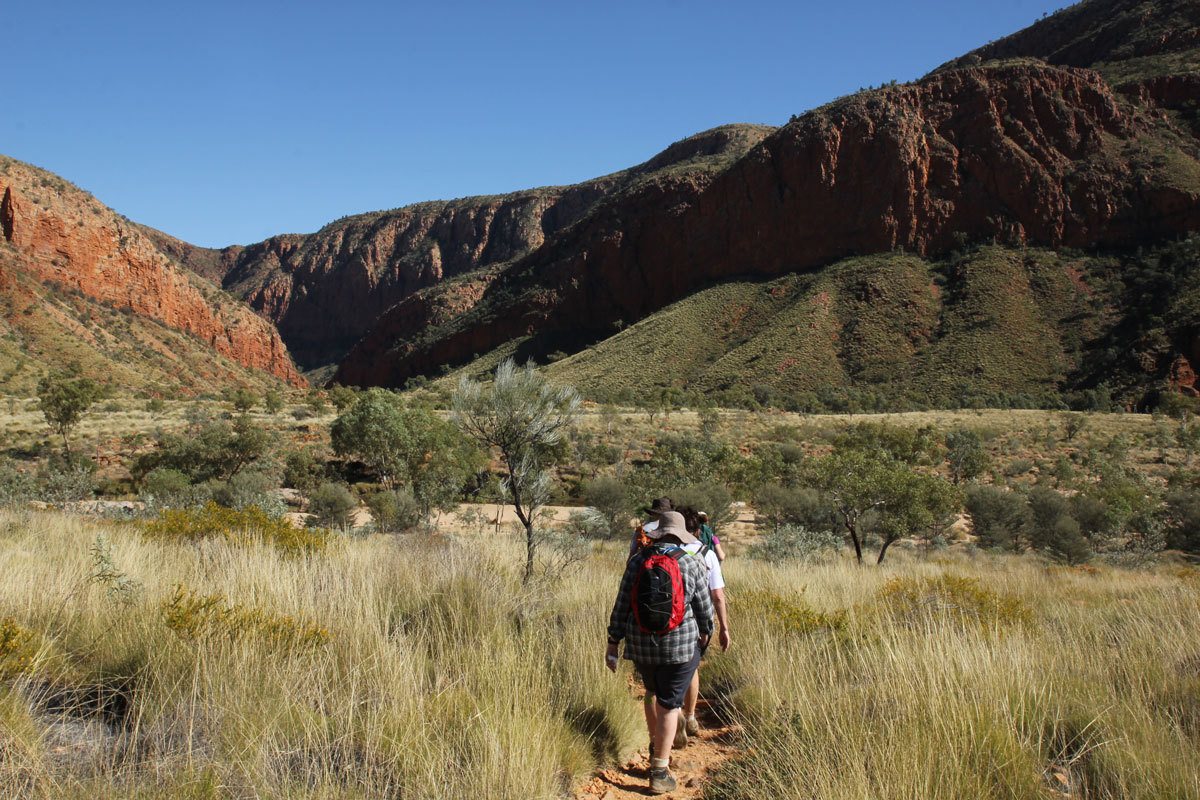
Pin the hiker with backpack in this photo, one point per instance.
(708, 537)
(664, 613)
(716, 588)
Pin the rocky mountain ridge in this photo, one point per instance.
(63, 237)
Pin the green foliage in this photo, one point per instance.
(155, 406)
(163, 487)
(999, 516)
(239, 527)
(610, 497)
(856, 482)
(249, 489)
(966, 455)
(243, 400)
(952, 599)
(16, 487)
(317, 402)
(425, 453)
(117, 585)
(1051, 528)
(64, 397)
(525, 418)
(332, 505)
(273, 402)
(803, 506)
(796, 543)
(66, 483)
(303, 471)
(395, 510)
(215, 450)
(1183, 520)
(711, 497)
(342, 397)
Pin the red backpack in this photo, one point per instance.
(658, 593)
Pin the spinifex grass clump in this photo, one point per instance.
(951, 598)
(234, 526)
(200, 617)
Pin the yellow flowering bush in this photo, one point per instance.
(235, 526)
(197, 617)
(789, 613)
(16, 648)
(952, 598)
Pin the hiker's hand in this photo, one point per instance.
(704, 640)
(610, 658)
(723, 640)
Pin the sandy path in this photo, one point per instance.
(691, 765)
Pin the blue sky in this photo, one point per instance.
(227, 122)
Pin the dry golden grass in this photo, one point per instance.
(441, 677)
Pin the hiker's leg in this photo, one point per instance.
(664, 733)
(692, 696)
(650, 708)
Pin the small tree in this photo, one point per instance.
(965, 454)
(273, 402)
(342, 397)
(610, 497)
(856, 482)
(332, 505)
(64, 398)
(524, 417)
(243, 400)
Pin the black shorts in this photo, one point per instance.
(669, 682)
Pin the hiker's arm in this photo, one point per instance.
(621, 608)
(719, 550)
(718, 601)
(702, 606)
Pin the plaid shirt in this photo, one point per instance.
(675, 646)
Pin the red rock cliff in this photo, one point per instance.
(1014, 154)
(75, 242)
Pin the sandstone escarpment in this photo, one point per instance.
(323, 291)
(1014, 154)
(71, 241)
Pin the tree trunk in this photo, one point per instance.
(883, 551)
(857, 544)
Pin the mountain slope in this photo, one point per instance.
(324, 290)
(1016, 154)
(59, 241)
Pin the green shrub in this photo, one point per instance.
(332, 505)
(999, 516)
(249, 490)
(16, 487)
(1052, 530)
(610, 497)
(797, 543)
(395, 510)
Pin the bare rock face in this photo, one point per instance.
(1013, 154)
(72, 241)
(324, 290)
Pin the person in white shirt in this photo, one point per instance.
(716, 585)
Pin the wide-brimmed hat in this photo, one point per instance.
(670, 523)
(660, 505)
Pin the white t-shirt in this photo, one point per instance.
(715, 579)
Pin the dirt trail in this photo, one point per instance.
(690, 765)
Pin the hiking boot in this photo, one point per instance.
(661, 780)
(681, 734)
(692, 726)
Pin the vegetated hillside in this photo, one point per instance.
(1016, 154)
(324, 290)
(970, 328)
(80, 282)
